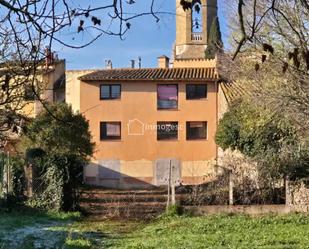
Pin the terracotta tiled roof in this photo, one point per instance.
(152, 74)
(233, 91)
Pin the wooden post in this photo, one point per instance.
(231, 188)
(288, 196)
(173, 189)
(8, 174)
(169, 185)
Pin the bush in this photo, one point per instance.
(58, 146)
(59, 180)
(16, 181)
(173, 211)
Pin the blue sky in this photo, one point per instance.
(146, 38)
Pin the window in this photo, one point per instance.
(110, 130)
(167, 97)
(167, 130)
(197, 26)
(29, 94)
(196, 130)
(110, 92)
(196, 91)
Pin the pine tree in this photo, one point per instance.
(215, 43)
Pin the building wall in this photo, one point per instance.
(48, 79)
(194, 63)
(45, 82)
(72, 89)
(135, 156)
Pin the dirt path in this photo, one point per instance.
(37, 236)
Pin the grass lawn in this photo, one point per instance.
(222, 232)
(28, 230)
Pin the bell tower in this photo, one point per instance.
(192, 28)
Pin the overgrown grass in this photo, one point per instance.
(238, 232)
(169, 231)
(26, 217)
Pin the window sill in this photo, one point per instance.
(197, 139)
(111, 140)
(110, 99)
(201, 99)
(176, 109)
(167, 140)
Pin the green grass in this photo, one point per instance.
(27, 217)
(215, 232)
(221, 232)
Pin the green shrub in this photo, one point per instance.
(58, 146)
(60, 177)
(16, 181)
(173, 211)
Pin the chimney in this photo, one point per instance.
(108, 64)
(132, 64)
(139, 62)
(48, 57)
(163, 61)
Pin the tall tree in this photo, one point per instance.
(270, 53)
(215, 43)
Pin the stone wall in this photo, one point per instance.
(253, 210)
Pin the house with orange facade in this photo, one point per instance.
(154, 125)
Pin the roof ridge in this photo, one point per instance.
(178, 73)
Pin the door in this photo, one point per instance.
(166, 169)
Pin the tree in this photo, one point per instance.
(63, 133)
(270, 56)
(30, 29)
(266, 137)
(215, 43)
(58, 145)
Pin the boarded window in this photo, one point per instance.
(110, 130)
(167, 130)
(196, 130)
(196, 91)
(110, 92)
(167, 96)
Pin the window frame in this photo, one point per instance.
(196, 138)
(159, 123)
(110, 138)
(196, 85)
(177, 102)
(110, 91)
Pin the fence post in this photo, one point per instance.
(288, 194)
(169, 185)
(173, 188)
(231, 188)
